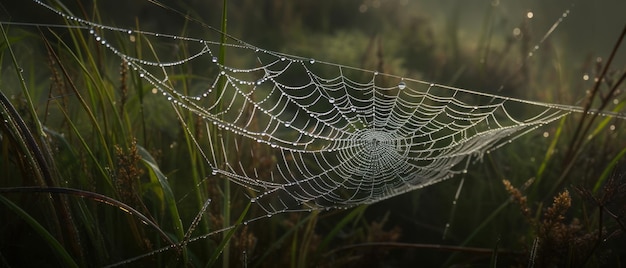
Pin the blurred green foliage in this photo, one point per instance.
(78, 119)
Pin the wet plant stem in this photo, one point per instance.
(583, 127)
(221, 86)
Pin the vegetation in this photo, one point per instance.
(97, 170)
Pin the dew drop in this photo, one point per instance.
(287, 124)
(311, 61)
(214, 172)
(353, 109)
(331, 100)
(214, 59)
(402, 85)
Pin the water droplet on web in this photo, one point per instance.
(214, 59)
(214, 172)
(402, 85)
(311, 61)
(331, 100)
(287, 124)
(252, 200)
(353, 109)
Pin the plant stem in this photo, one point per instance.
(226, 186)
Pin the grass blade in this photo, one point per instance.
(58, 249)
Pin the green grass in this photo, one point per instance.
(98, 170)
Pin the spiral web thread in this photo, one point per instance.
(330, 136)
(338, 140)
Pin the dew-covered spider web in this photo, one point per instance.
(303, 134)
(331, 136)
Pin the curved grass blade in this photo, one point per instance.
(49, 238)
(168, 195)
(93, 196)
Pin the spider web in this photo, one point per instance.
(331, 136)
